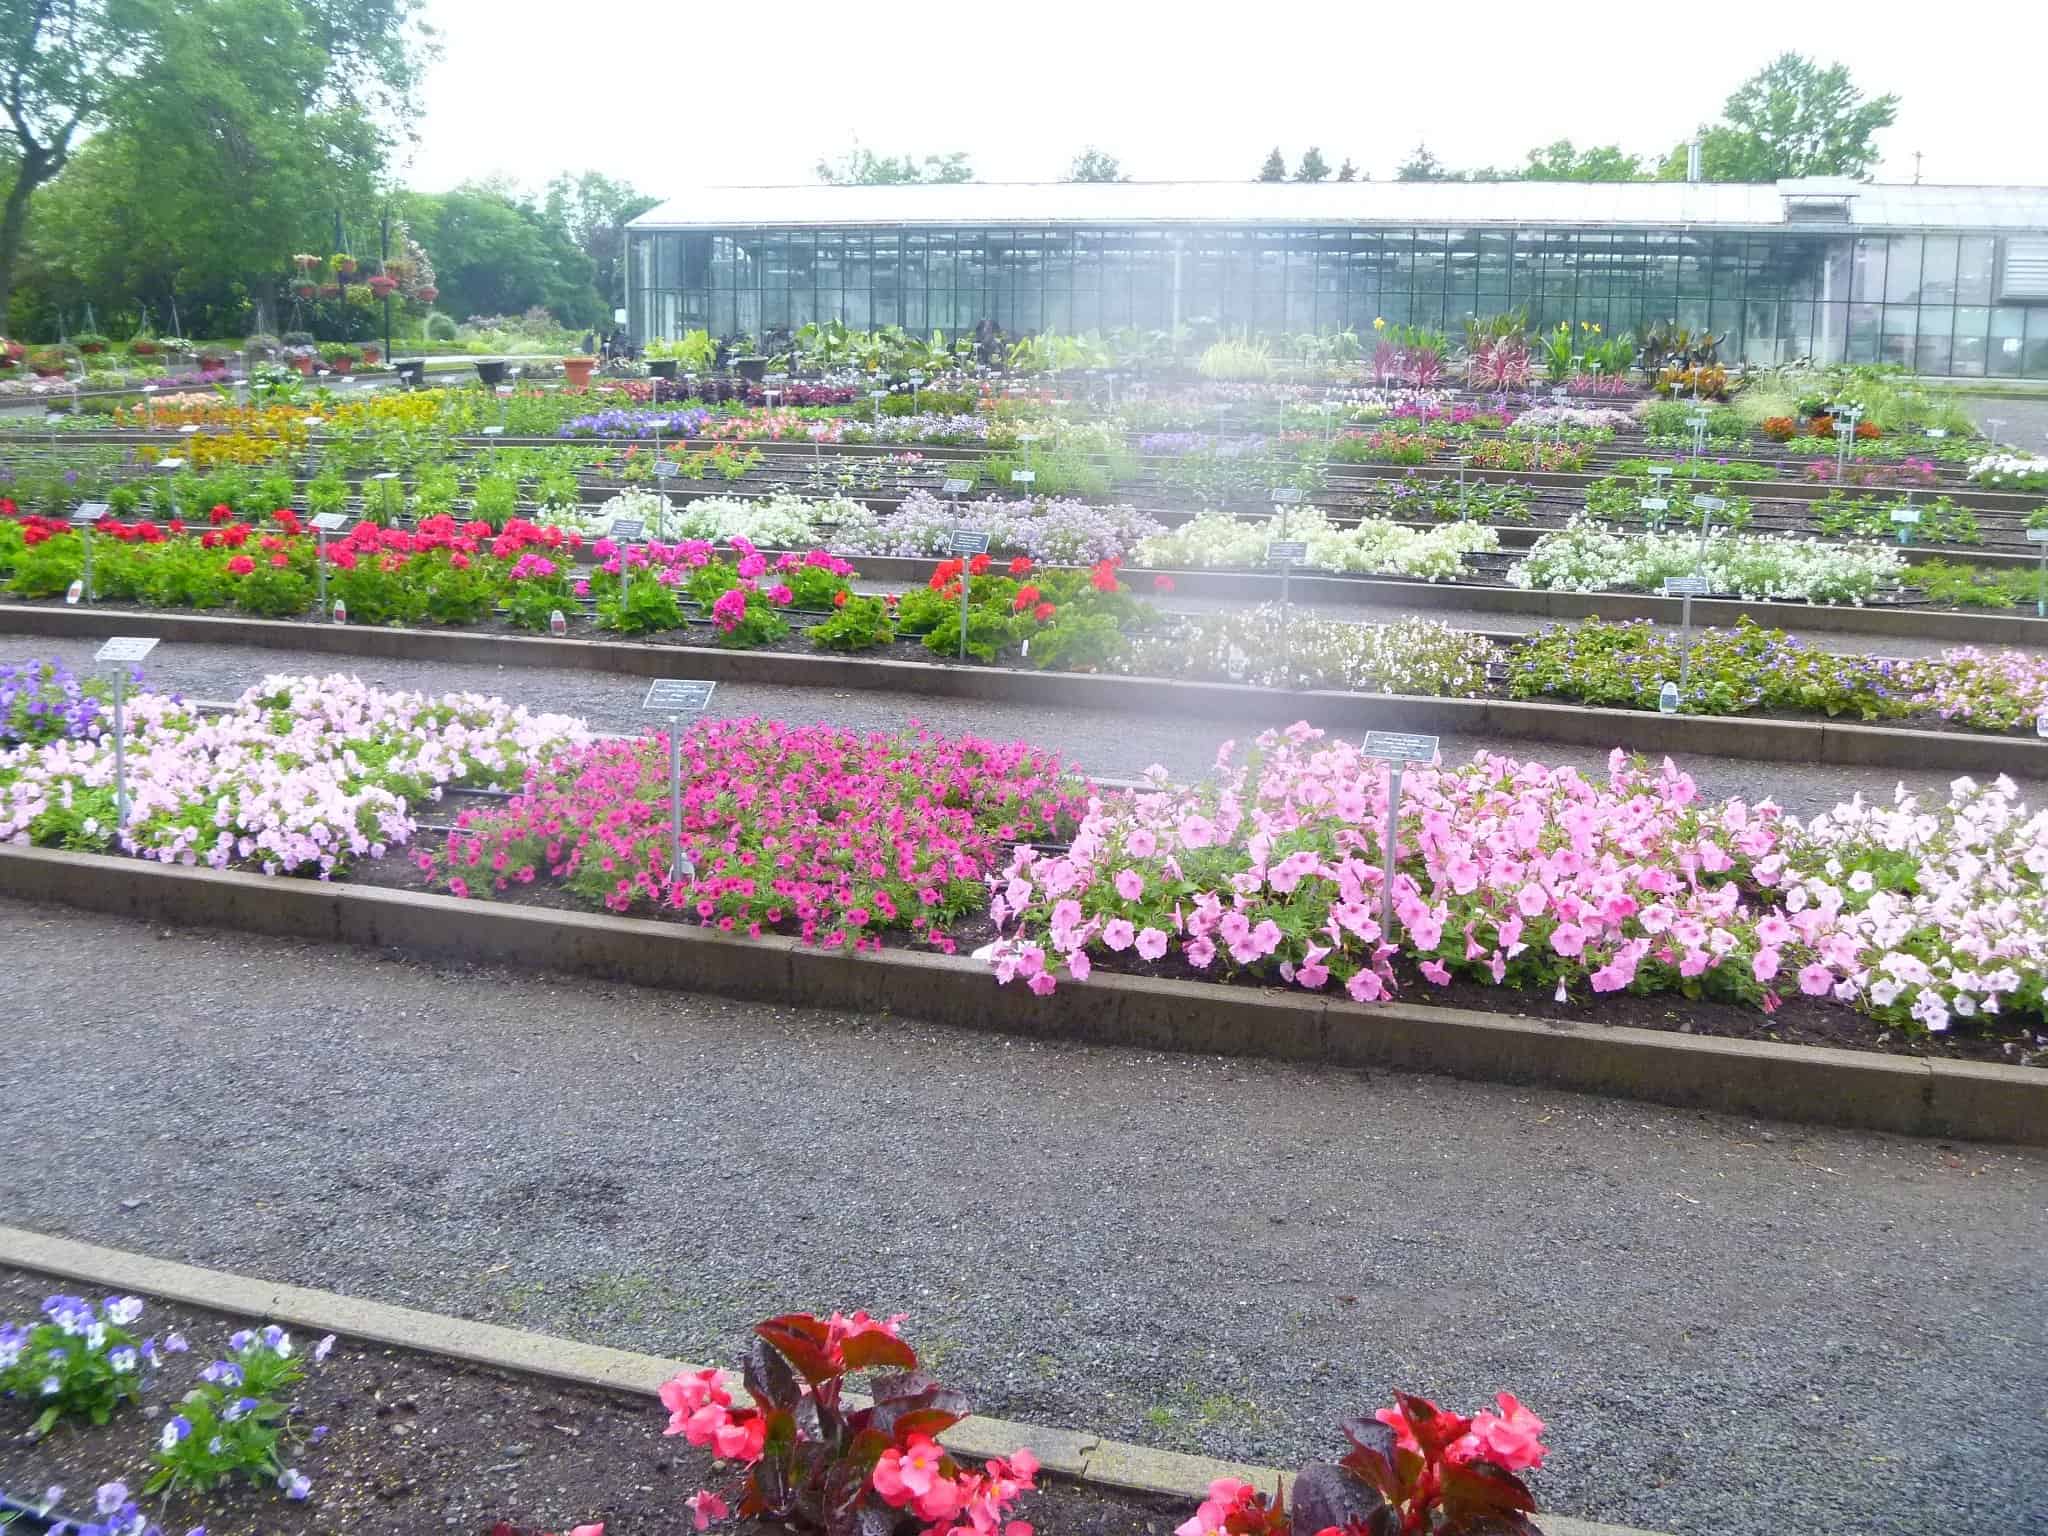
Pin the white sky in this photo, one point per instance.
(669, 96)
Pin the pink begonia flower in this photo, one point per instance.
(1224, 1496)
(683, 1396)
(1043, 983)
(1426, 931)
(1152, 943)
(1312, 972)
(1365, 986)
(1508, 1439)
(1765, 965)
(1141, 844)
(1568, 939)
(1531, 900)
(1773, 931)
(1129, 884)
(1199, 952)
(1079, 965)
(1197, 832)
(1815, 979)
(705, 1507)
(1436, 972)
(588, 1530)
(1694, 962)
(1117, 933)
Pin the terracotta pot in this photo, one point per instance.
(304, 364)
(341, 364)
(578, 371)
(371, 354)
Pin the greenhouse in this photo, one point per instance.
(1940, 280)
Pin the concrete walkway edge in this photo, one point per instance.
(1070, 1453)
(1865, 1090)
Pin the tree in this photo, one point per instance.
(1313, 167)
(1275, 168)
(1600, 162)
(1792, 118)
(1093, 165)
(496, 254)
(1422, 166)
(65, 58)
(1347, 171)
(862, 167)
(594, 209)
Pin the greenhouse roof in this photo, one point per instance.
(1815, 203)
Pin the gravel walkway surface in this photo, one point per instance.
(1716, 1317)
(1098, 741)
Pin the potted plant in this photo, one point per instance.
(305, 261)
(426, 293)
(491, 371)
(577, 370)
(383, 285)
(91, 343)
(330, 290)
(50, 362)
(343, 264)
(372, 353)
(260, 345)
(144, 345)
(211, 358)
(11, 354)
(341, 356)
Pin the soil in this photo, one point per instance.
(418, 1443)
(1798, 1020)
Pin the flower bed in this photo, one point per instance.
(1513, 875)
(1217, 540)
(1266, 649)
(303, 775)
(823, 833)
(1748, 670)
(1589, 557)
(1055, 530)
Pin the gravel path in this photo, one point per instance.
(1098, 741)
(1207, 1254)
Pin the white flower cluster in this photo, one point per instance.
(2011, 471)
(1589, 556)
(1216, 539)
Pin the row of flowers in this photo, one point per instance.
(1512, 874)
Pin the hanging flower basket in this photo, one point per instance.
(398, 269)
(427, 293)
(304, 262)
(11, 353)
(343, 264)
(330, 290)
(306, 290)
(383, 285)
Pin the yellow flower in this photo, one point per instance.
(1379, 324)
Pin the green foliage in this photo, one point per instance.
(861, 624)
(326, 492)
(47, 569)
(275, 591)
(1275, 167)
(862, 167)
(377, 596)
(234, 1426)
(383, 500)
(759, 623)
(497, 498)
(77, 1364)
(456, 594)
(642, 606)
(1560, 161)
(1093, 165)
(533, 604)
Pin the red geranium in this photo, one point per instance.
(1021, 566)
(978, 566)
(241, 565)
(1044, 612)
(1026, 596)
(1162, 583)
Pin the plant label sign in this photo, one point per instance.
(1656, 503)
(1685, 586)
(125, 648)
(330, 522)
(1906, 516)
(1400, 747)
(677, 696)
(389, 474)
(170, 463)
(969, 542)
(1286, 551)
(493, 431)
(956, 487)
(1023, 476)
(1287, 496)
(628, 527)
(1937, 432)
(89, 512)
(1709, 503)
(2037, 535)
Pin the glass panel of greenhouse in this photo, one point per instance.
(1956, 293)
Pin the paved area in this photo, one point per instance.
(1717, 1318)
(1100, 742)
(2023, 421)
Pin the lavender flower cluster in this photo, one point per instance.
(926, 427)
(1055, 532)
(620, 423)
(42, 702)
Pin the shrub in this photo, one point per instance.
(80, 1361)
(861, 624)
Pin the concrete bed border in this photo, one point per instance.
(1072, 1454)
(1830, 743)
(1864, 1090)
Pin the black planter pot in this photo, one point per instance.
(752, 369)
(663, 367)
(492, 373)
(412, 373)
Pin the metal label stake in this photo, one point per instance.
(1398, 749)
(1286, 553)
(121, 653)
(1684, 588)
(966, 544)
(676, 697)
